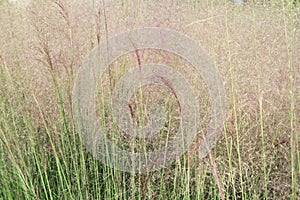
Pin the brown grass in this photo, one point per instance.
(254, 47)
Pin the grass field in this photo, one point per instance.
(256, 47)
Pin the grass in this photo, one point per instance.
(256, 48)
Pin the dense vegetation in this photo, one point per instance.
(255, 46)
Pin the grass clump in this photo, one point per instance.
(256, 48)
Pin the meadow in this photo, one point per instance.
(255, 46)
